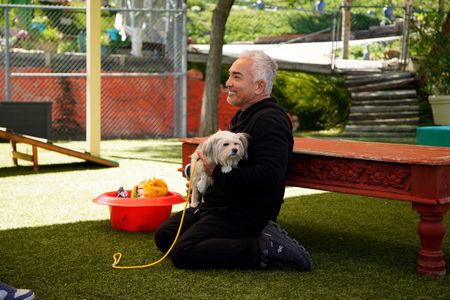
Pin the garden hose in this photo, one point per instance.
(118, 256)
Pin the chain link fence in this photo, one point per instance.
(377, 33)
(143, 81)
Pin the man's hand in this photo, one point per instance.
(209, 166)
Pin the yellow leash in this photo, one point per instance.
(118, 256)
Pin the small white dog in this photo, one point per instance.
(226, 149)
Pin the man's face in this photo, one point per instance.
(242, 90)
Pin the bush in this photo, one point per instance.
(363, 21)
(430, 45)
(248, 24)
(306, 24)
(320, 102)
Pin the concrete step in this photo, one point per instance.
(384, 115)
(381, 128)
(380, 108)
(384, 85)
(386, 121)
(406, 101)
(394, 94)
(384, 105)
(355, 80)
(378, 135)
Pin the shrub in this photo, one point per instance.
(51, 35)
(247, 25)
(430, 44)
(320, 102)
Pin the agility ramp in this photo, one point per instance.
(36, 143)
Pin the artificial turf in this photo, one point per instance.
(54, 240)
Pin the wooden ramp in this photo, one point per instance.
(36, 142)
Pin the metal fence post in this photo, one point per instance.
(7, 57)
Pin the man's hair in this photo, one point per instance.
(264, 67)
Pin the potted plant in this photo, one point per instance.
(50, 38)
(431, 44)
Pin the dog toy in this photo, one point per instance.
(151, 188)
(148, 188)
(121, 193)
(134, 191)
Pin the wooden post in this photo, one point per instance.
(346, 27)
(93, 91)
(407, 16)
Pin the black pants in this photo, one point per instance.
(210, 240)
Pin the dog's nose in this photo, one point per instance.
(234, 150)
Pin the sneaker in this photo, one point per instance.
(276, 245)
(8, 292)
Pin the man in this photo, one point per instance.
(234, 226)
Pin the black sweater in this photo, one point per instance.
(256, 187)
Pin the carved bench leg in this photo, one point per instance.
(431, 231)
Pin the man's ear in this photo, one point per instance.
(260, 87)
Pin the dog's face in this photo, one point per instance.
(225, 146)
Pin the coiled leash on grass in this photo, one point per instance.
(118, 256)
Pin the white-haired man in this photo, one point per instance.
(235, 225)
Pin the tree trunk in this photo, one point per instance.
(208, 119)
(346, 27)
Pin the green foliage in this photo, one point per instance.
(362, 21)
(199, 26)
(320, 102)
(307, 23)
(197, 3)
(51, 35)
(67, 46)
(377, 50)
(249, 24)
(67, 21)
(241, 25)
(431, 46)
(119, 44)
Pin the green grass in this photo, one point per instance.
(54, 240)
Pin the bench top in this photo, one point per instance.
(398, 153)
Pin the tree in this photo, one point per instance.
(208, 118)
(346, 27)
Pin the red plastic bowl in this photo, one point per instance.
(138, 214)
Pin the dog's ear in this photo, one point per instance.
(207, 146)
(245, 140)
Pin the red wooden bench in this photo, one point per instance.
(417, 174)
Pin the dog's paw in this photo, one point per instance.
(226, 169)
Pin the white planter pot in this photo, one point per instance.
(440, 105)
